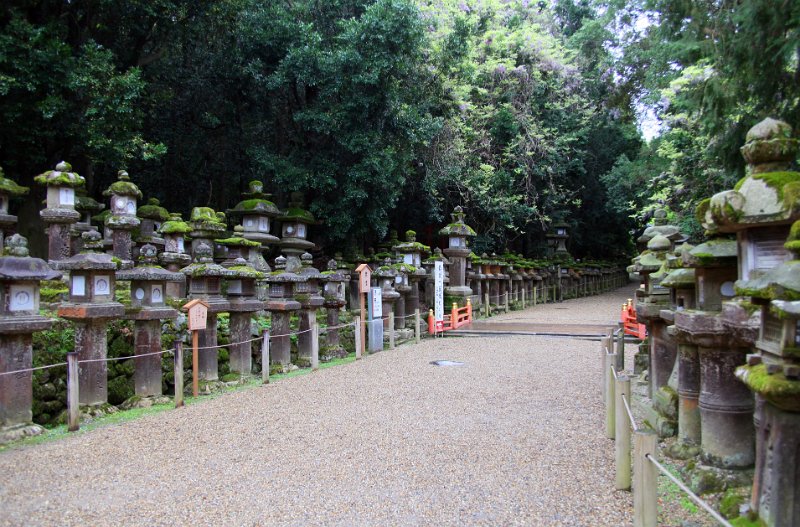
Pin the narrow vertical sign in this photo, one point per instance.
(438, 291)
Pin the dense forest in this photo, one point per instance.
(388, 113)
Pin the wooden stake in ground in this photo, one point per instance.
(196, 320)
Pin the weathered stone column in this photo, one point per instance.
(280, 305)
(307, 293)
(334, 280)
(19, 318)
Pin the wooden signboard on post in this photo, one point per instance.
(364, 282)
(196, 320)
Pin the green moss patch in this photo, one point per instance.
(776, 388)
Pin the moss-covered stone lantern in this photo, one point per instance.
(256, 212)
(60, 212)
(91, 305)
(457, 251)
(294, 231)
(19, 318)
(241, 292)
(557, 236)
(334, 280)
(8, 189)
(773, 375)
(281, 303)
(205, 283)
(147, 310)
(175, 257)
(87, 207)
(307, 293)
(385, 276)
(206, 226)
(153, 216)
(412, 253)
(124, 196)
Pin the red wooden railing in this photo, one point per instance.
(458, 317)
(629, 323)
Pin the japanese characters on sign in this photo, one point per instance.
(438, 275)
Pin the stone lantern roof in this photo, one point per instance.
(296, 212)
(148, 269)
(175, 225)
(123, 186)
(91, 258)
(280, 274)
(207, 220)
(62, 176)
(661, 227)
(411, 245)
(769, 194)
(457, 227)
(86, 204)
(204, 265)
(256, 202)
(9, 186)
(656, 255)
(153, 211)
(719, 252)
(16, 264)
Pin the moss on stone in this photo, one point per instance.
(153, 210)
(123, 188)
(174, 227)
(776, 388)
(236, 240)
(258, 205)
(297, 214)
(60, 179)
(10, 186)
(730, 503)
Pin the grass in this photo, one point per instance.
(60, 431)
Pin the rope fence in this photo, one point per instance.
(620, 422)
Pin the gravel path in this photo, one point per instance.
(513, 437)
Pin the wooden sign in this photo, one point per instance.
(364, 278)
(438, 290)
(198, 314)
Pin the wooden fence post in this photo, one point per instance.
(357, 336)
(622, 446)
(487, 309)
(178, 370)
(610, 395)
(645, 513)
(603, 377)
(73, 405)
(391, 330)
(315, 346)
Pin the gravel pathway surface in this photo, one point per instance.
(512, 437)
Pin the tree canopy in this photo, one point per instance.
(388, 113)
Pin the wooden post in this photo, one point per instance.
(534, 295)
(486, 307)
(358, 336)
(454, 316)
(73, 409)
(361, 327)
(265, 357)
(523, 297)
(195, 365)
(620, 348)
(315, 346)
(610, 397)
(431, 323)
(417, 323)
(622, 445)
(178, 374)
(645, 512)
(469, 311)
(391, 330)
(507, 302)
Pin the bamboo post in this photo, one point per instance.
(357, 335)
(265, 357)
(645, 512)
(315, 346)
(178, 374)
(417, 323)
(73, 408)
(391, 330)
(622, 445)
(610, 397)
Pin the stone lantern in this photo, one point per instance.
(257, 212)
(307, 293)
(412, 252)
(557, 236)
(725, 405)
(175, 256)
(153, 216)
(295, 221)
(8, 189)
(206, 226)
(123, 220)
(773, 374)
(147, 310)
(385, 277)
(87, 207)
(19, 318)
(205, 283)
(429, 265)
(90, 307)
(334, 280)
(402, 284)
(457, 251)
(60, 213)
(241, 293)
(280, 305)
